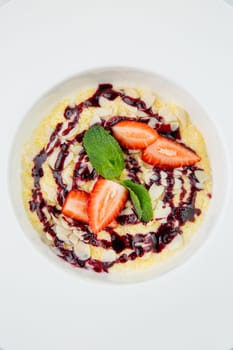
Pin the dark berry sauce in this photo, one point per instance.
(132, 167)
(138, 244)
(166, 130)
(82, 171)
(37, 171)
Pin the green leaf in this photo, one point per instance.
(104, 152)
(136, 202)
(143, 197)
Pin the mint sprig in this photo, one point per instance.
(104, 152)
(145, 213)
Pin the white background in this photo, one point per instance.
(45, 41)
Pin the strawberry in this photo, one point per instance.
(107, 199)
(75, 205)
(168, 154)
(133, 134)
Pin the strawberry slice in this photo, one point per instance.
(107, 199)
(75, 205)
(134, 135)
(165, 153)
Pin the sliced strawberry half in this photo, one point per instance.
(133, 134)
(75, 205)
(165, 153)
(107, 199)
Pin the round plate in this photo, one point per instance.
(135, 78)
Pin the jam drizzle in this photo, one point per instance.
(140, 244)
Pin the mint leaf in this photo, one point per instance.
(104, 152)
(136, 202)
(143, 197)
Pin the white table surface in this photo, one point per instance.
(45, 41)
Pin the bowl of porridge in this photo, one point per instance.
(115, 175)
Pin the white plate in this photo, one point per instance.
(171, 92)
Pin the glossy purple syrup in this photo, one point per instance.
(145, 243)
(132, 167)
(166, 130)
(72, 114)
(82, 171)
(129, 219)
(140, 244)
(109, 123)
(37, 171)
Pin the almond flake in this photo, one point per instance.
(75, 149)
(147, 175)
(108, 256)
(128, 209)
(161, 211)
(72, 133)
(141, 114)
(155, 192)
(82, 250)
(52, 144)
(181, 115)
(163, 182)
(167, 115)
(49, 191)
(103, 101)
(174, 126)
(49, 237)
(148, 98)
(74, 238)
(67, 179)
(177, 184)
(62, 233)
(199, 186)
(100, 112)
(95, 120)
(68, 159)
(201, 176)
(61, 222)
(152, 123)
(131, 92)
(177, 172)
(163, 174)
(53, 157)
(131, 109)
(64, 127)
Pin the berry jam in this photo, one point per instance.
(138, 244)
